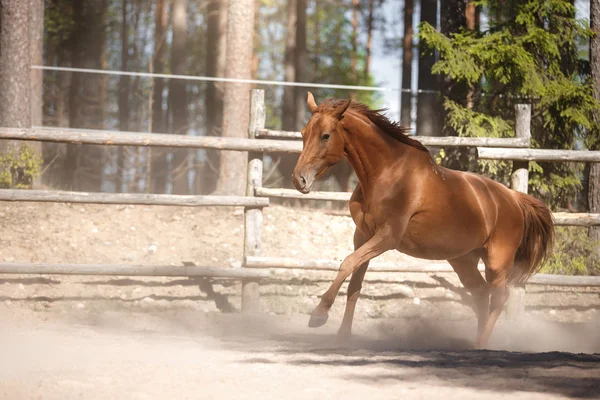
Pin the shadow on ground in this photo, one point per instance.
(421, 352)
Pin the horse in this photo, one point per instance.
(405, 201)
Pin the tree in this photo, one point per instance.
(215, 66)
(472, 17)
(36, 45)
(407, 58)
(453, 20)
(15, 86)
(529, 57)
(428, 105)
(288, 117)
(369, 38)
(240, 34)
(354, 56)
(157, 174)
(301, 61)
(178, 107)
(82, 167)
(594, 175)
(58, 25)
(124, 87)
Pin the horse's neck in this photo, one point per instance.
(369, 150)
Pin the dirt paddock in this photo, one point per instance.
(162, 338)
(158, 354)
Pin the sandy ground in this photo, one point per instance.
(182, 354)
(141, 338)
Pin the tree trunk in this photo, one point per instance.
(453, 18)
(177, 95)
(157, 171)
(240, 29)
(55, 98)
(288, 119)
(36, 46)
(300, 61)
(82, 167)
(317, 51)
(471, 21)
(15, 85)
(124, 84)
(428, 104)
(354, 54)
(215, 66)
(93, 95)
(594, 177)
(407, 58)
(369, 38)
(256, 44)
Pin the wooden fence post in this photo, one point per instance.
(519, 181)
(253, 215)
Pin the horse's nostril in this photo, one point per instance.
(302, 181)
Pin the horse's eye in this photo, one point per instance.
(325, 137)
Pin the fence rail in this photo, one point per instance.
(436, 141)
(538, 155)
(111, 138)
(294, 194)
(58, 196)
(131, 270)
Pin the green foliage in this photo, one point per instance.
(19, 167)
(528, 56)
(473, 124)
(58, 20)
(469, 123)
(574, 253)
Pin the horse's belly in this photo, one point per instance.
(419, 250)
(439, 244)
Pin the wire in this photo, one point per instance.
(212, 79)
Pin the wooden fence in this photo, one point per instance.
(261, 140)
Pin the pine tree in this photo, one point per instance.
(529, 54)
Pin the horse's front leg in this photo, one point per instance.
(384, 239)
(354, 288)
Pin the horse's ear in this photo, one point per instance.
(312, 105)
(341, 109)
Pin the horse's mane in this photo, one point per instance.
(392, 128)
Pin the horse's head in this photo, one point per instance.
(323, 143)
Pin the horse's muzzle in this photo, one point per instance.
(303, 181)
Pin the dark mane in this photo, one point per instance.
(392, 128)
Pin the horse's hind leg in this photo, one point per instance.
(497, 264)
(353, 294)
(466, 268)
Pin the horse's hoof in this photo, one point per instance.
(317, 320)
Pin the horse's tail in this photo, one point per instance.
(537, 241)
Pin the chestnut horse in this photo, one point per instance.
(405, 201)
